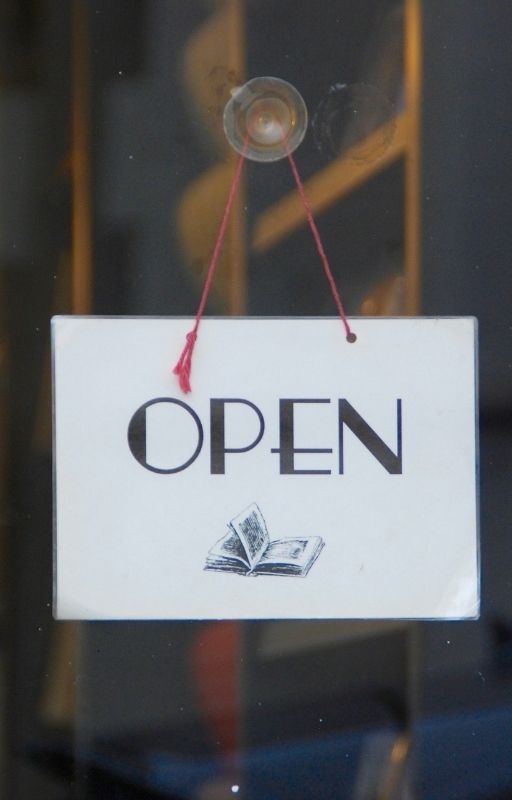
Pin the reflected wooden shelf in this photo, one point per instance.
(350, 172)
(336, 181)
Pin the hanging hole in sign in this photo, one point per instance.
(356, 121)
(261, 114)
(351, 338)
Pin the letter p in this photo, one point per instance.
(218, 448)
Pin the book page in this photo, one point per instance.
(290, 551)
(252, 530)
(229, 547)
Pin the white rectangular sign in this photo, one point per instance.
(303, 476)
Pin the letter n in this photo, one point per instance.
(392, 462)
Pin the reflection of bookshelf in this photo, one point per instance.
(347, 174)
(45, 658)
(328, 187)
(219, 37)
(73, 292)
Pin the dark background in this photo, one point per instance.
(140, 688)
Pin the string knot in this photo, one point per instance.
(184, 365)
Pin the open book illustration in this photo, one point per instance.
(247, 549)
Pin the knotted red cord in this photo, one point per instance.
(184, 366)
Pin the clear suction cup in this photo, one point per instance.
(265, 112)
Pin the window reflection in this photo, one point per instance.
(116, 169)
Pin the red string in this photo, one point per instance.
(351, 337)
(184, 365)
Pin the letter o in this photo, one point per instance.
(137, 435)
